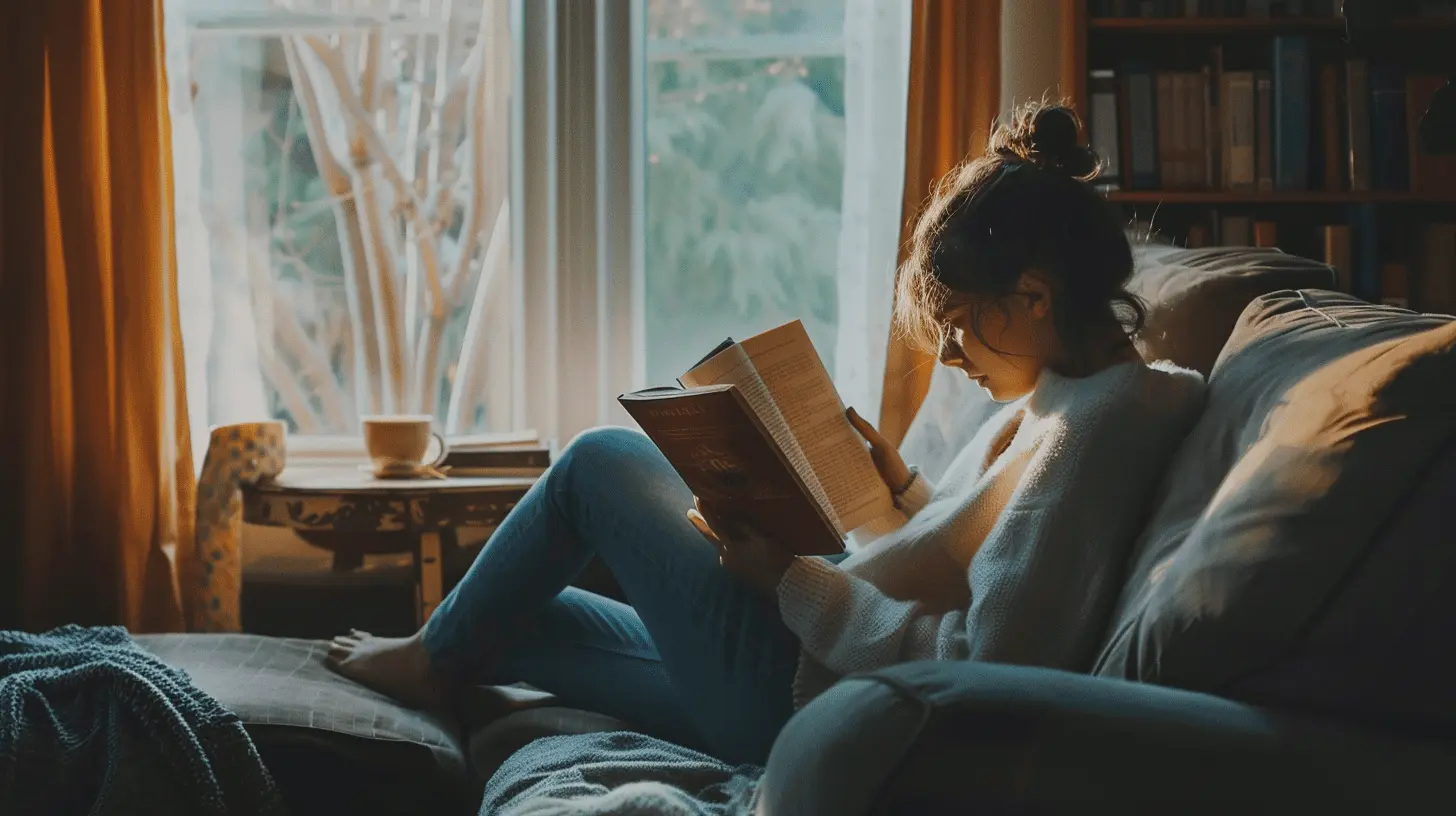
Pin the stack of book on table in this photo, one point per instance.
(516, 454)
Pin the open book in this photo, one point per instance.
(758, 431)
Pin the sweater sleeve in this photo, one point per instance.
(916, 496)
(849, 625)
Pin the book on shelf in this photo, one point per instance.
(757, 430)
(1434, 286)
(1102, 127)
(1264, 128)
(1395, 284)
(1339, 254)
(1291, 112)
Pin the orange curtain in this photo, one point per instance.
(954, 96)
(97, 502)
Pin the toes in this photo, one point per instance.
(359, 633)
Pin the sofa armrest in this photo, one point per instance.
(949, 737)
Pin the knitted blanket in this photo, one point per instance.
(90, 723)
(617, 774)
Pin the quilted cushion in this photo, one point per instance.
(333, 745)
(1323, 414)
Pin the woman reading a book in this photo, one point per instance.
(1016, 276)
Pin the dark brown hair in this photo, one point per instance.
(1025, 204)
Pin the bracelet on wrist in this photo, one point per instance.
(900, 491)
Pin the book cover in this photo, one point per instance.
(1331, 128)
(728, 458)
(1291, 112)
(1366, 240)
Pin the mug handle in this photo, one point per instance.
(444, 449)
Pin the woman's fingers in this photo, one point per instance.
(866, 430)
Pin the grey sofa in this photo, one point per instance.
(1282, 640)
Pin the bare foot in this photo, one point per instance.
(397, 667)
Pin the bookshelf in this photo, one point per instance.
(1234, 122)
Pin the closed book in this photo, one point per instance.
(1357, 123)
(1266, 234)
(1191, 103)
(1103, 130)
(1366, 240)
(1389, 142)
(1291, 112)
(1332, 128)
(1432, 174)
(1235, 231)
(1142, 106)
(1239, 136)
(1395, 284)
(1339, 253)
(1264, 117)
(1198, 237)
(1433, 288)
(514, 459)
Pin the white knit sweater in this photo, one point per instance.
(1018, 555)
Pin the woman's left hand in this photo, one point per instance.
(741, 550)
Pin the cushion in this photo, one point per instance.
(1193, 299)
(1323, 414)
(333, 745)
(1195, 296)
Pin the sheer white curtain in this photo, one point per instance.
(877, 65)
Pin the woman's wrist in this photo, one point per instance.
(907, 482)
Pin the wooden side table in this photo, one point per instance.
(352, 514)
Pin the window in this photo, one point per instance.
(644, 178)
(745, 137)
(342, 173)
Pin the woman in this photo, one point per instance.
(1016, 277)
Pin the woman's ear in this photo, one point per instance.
(1034, 288)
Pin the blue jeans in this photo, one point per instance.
(696, 656)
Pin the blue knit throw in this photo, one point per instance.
(90, 723)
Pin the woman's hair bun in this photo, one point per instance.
(1046, 136)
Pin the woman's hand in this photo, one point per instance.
(741, 550)
(893, 470)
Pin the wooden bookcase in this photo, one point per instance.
(1410, 272)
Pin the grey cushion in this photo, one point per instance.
(325, 738)
(1195, 296)
(1323, 413)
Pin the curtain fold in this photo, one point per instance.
(954, 96)
(98, 499)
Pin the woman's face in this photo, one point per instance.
(1014, 344)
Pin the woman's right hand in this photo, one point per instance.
(892, 468)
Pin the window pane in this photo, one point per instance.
(745, 141)
(348, 223)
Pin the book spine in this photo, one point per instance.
(1366, 278)
(1167, 132)
(1239, 137)
(1332, 127)
(1210, 129)
(1143, 115)
(1339, 254)
(1436, 271)
(1395, 285)
(1357, 122)
(1266, 234)
(1389, 146)
(1102, 87)
(1235, 231)
(1264, 115)
(1291, 112)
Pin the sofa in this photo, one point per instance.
(1282, 640)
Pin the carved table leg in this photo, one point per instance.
(429, 563)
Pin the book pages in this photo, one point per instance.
(732, 366)
(786, 361)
